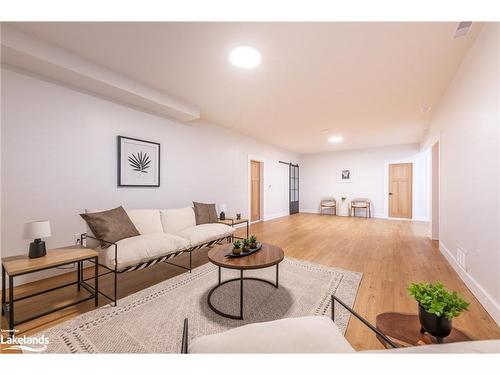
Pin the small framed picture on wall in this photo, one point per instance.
(138, 163)
(345, 175)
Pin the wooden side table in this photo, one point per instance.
(232, 221)
(21, 265)
(404, 330)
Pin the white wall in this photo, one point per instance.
(434, 207)
(369, 168)
(467, 125)
(59, 156)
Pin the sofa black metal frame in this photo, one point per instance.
(380, 334)
(142, 265)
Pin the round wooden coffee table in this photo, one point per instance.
(267, 256)
(404, 330)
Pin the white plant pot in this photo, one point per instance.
(343, 208)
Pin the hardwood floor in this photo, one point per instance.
(390, 253)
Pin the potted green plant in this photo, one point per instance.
(253, 241)
(246, 245)
(237, 247)
(436, 307)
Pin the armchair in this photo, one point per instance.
(328, 203)
(363, 203)
(309, 334)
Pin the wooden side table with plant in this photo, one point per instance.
(433, 324)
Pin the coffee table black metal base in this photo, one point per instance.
(240, 279)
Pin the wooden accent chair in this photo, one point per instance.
(363, 203)
(328, 203)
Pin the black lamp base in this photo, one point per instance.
(37, 249)
(222, 216)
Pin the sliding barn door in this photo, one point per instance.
(294, 188)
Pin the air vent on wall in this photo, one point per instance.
(462, 29)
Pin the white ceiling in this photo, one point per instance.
(365, 81)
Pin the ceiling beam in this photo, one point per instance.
(36, 56)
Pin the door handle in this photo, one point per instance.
(390, 193)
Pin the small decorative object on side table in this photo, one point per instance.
(36, 230)
(231, 221)
(222, 211)
(436, 308)
(21, 265)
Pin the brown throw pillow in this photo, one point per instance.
(112, 225)
(205, 213)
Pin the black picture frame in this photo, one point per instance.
(119, 165)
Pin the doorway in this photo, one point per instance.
(255, 190)
(401, 190)
(294, 188)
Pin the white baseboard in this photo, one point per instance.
(488, 302)
(401, 218)
(276, 215)
(316, 211)
(309, 211)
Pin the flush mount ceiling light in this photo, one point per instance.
(244, 57)
(336, 139)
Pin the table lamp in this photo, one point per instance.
(36, 230)
(222, 211)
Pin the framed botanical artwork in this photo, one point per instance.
(138, 163)
(345, 175)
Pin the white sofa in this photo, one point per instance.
(311, 334)
(163, 232)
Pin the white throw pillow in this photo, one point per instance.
(146, 220)
(175, 220)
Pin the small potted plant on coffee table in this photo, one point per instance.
(436, 308)
(253, 241)
(246, 245)
(237, 247)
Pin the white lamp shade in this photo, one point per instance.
(37, 229)
(223, 207)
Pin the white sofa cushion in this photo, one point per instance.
(205, 232)
(360, 205)
(138, 249)
(146, 221)
(328, 204)
(177, 219)
(310, 334)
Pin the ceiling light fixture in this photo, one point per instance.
(336, 139)
(244, 57)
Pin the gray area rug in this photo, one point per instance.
(150, 321)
